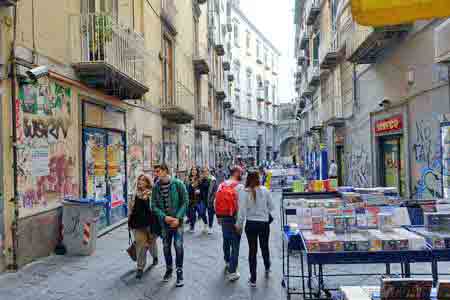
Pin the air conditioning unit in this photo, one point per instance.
(442, 43)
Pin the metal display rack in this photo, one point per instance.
(304, 271)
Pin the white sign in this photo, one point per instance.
(40, 162)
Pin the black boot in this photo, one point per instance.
(180, 280)
(168, 275)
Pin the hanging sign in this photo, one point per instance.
(390, 125)
(388, 12)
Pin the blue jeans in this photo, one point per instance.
(231, 244)
(175, 235)
(199, 209)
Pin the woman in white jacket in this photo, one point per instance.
(255, 208)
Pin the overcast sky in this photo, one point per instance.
(275, 20)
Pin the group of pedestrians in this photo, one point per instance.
(160, 207)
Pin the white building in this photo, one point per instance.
(253, 92)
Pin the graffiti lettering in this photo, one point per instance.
(45, 128)
(357, 166)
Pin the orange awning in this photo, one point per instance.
(392, 12)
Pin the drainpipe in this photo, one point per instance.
(13, 77)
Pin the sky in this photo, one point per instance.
(275, 20)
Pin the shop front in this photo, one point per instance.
(391, 150)
(104, 160)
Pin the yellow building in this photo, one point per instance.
(120, 96)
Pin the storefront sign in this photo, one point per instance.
(390, 125)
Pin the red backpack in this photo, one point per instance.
(227, 200)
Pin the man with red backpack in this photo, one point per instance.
(227, 207)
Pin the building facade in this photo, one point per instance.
(253, 87)
(372, 98)
(131, 83)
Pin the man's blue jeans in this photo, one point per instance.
(231, 244)
(175, 235)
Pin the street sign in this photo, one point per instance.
(387, 12)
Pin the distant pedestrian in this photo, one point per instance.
(255, 208)
(226, 204)
(197, 205)
(144, 224)
(169, 202)
(333, 170)
(156, 170)
(220, 174)
(208, 188)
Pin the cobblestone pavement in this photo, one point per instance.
(110, 274)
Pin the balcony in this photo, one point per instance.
(260, 94)
(203, 119)
(7, 3)
(230, 77)
(367, 43)
(215, 130)
(314, 74)
(226, 66)
(312, 11)
(168, 15)
(220, 94)
(220, 50)
(179, 109)
(304, 37)
(107, 56)
(259, 60)
(227, 103)
(200, 60)
(331, 52)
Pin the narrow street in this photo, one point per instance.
(109, 273)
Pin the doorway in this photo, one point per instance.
(104, 172)
(393, 163)
(340, 164)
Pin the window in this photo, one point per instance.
(247, 41)
(274, 94)
(249, 82)
(238, 105)
(259, 112)
(236, 34)
(266, 90)
(316, 44)
(237, 74)
(266, 114)
(167, 70)
(257, 49)
(249, 107)
(274, 115)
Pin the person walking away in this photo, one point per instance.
(144, 224)
(333, 170)
(226, 205)
(196, 203)
(255, 208)
(220, 174)
(170, 202)
(208, 189)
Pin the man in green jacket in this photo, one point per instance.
(169, 202)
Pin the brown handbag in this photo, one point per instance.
(132, 248)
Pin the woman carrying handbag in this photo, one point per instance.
(144, 224)
(255, 208)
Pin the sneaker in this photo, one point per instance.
(139, 274)
(210, 231)
(227, 267)
(191, 230)
(233, 276)
(268, 271)
(252, 283)
(180, 280)
(168, 275)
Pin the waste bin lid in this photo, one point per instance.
(87, 201)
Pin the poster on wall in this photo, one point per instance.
(48, 149)
(445, 144)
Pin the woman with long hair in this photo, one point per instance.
(144, 223)
(255, 208)
(196, 206)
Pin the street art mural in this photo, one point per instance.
(357, 166)
(47, 151)
(427, 160)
